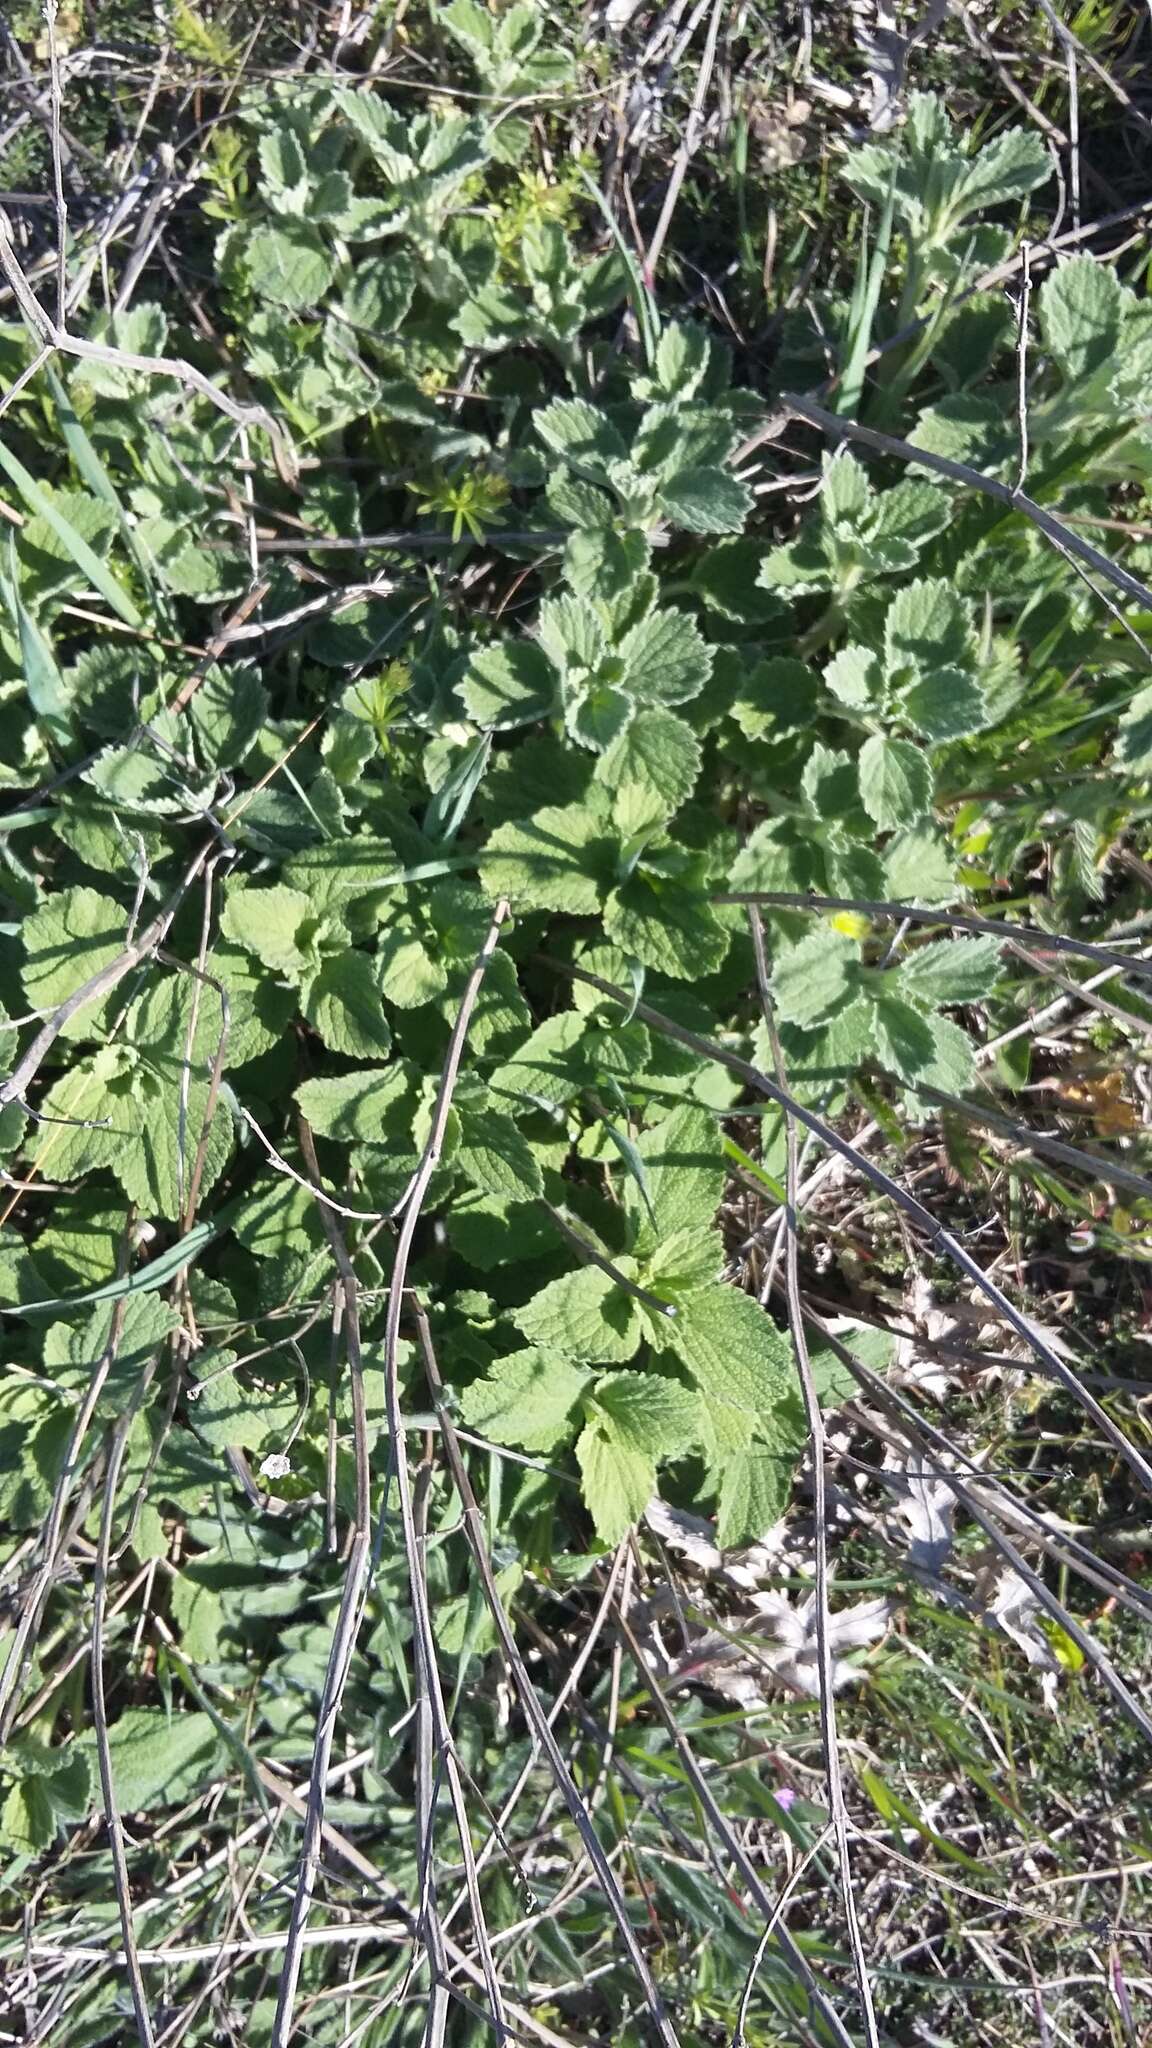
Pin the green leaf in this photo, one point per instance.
(737, 1357)
(657, 755)
(374, 1106)
(343, 1005)
(726, 579)
(919, 869)
(582, 1315)
(496, 1157)
(47, 690)
(229, 709)
(666, 661)
(895, 782)
(946, 704)
(706, 501)
(268, 922)
(600, 563)
(170, 1088)
(43, 503)
(580, 433)
(27, 1822)
(685, 1174)
(528, 1399)
(666, 924)
(558, 860)
(779, 696)
(74, 1350)
(198, 1612)
(952, 1066)
(70, 938)
(549, 1067)
(681, 360)
(755, 1488)
(508, 685)
(1081, 306)
(230, 1409)
(951, 971)
(158, 1758)
(854, 677)
(618, 1482)
(409, 974)
(926, 626)
(288, 265)
(1134, 738)
(598, 715)
(902, 1037)
(647, 1412)
(817, 977)
(846, 491)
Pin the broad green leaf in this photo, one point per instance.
(269, 923)
(43, 503)
(550, 1066)
(895, 782)
(648, 1412)
(288, 265)
(230, 1408)
(27, 1821)
(951, 971)
(945, 704)
(755, 1488)
(74, 1351)
(902, 1037)
(409, 974)
(528, 1399)
(229, 709)
(655, 762)
(952, 1066)
(780, 695)
(597, 715)
(681, 359)
(919, 869)
(665, 659)
(926, 626)
(372, 1106)
(507, 685)
(854, 676)
(558, 860)
(600, 563)
(496, 1157)
(666, 924)
(580, 433)
(343, 1004)
(582, 1315)
(158, 1758)
(706, 501)
(1081, 306)
(74, 934)
(198, 1612)
(684, 1173)
(813, 979)
(737, 1357)
(845, 491)
(93, 1117)
(618, 1482)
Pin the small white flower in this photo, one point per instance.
(275, 1466)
